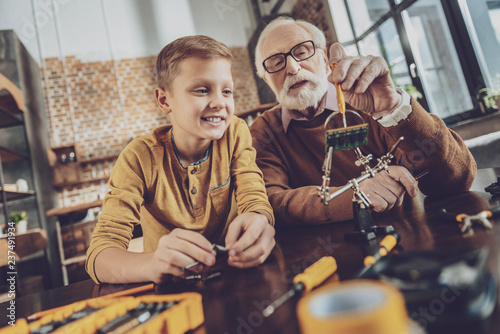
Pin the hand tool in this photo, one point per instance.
(218, 248)
(128, 292)
(203, 278)
(494, 188)
(116, 322)
(425, 172)
(137, 319)
(150, 312)
(314, 275)
(340, 97)
(53, 325)
(468, 220)
(385, 246)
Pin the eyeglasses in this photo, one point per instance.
(299, 52)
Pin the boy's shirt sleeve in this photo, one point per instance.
(249, 184)
(121, 207)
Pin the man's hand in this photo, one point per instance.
(365, 81)
(385, 190)
(250, 240)
(178, 249)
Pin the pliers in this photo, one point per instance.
(468, 220)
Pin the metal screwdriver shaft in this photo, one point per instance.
(306, 281)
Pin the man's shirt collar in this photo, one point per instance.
(329, 101)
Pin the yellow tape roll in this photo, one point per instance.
(354, 307)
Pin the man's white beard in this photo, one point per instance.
(309, 95)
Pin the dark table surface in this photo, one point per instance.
(233, 303)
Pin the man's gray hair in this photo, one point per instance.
(316, 35)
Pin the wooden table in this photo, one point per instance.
(233, 303)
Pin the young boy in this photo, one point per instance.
(188, 184)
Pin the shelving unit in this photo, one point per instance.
(13, 195)
(8, 120)
(12, 107)
(12, 124)
(24, 144)
(73, 235)
(71, 173)
(7, 155)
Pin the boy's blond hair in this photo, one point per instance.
(168, 60)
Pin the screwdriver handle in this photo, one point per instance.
(386, 245)
(340, 94)
(316, 273)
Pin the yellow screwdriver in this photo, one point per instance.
(386, 245)
(340, 97)
(313, 276)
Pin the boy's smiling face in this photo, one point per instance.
(199, 100)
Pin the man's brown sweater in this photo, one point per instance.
(292, 161)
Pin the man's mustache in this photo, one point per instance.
(303, 75)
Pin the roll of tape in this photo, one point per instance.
(354, 307)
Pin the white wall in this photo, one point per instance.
(96, 29)
(229, 21)
(18, 16)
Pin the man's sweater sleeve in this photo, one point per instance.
(429, 145)
(293, 205)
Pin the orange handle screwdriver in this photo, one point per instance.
(386, 245)
(340, 97)
(313, 276)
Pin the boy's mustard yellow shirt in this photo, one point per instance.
(148, 185)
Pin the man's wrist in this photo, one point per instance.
(399, 113)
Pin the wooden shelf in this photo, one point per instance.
(71, 174)
(12, 102)
(98, 159)
(7, 155)
(27, 243)
(76, 208)
(8, 119)
(12, 195)
(76, 183)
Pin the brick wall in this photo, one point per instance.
(100, 106)
(313, 11)
(246, 97)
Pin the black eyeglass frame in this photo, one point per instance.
(289, 53)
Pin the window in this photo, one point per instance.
(443, 51)
(341, 21)
(384, 42)
(436, 59)
(482, 19)
(366, 12)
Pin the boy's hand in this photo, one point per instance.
(250, 240)
(178, 249)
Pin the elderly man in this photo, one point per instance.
(291, 57)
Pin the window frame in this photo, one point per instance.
(463, 45)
